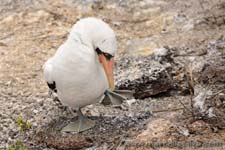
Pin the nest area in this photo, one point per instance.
(109, 130)
(171, 53)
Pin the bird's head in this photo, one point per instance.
(98, 35)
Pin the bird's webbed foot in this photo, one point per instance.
(116, 97)
(80, 125)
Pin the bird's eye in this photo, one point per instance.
(98, 51)
(107, 56)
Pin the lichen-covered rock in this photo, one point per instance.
(147, 76)
(214, 63)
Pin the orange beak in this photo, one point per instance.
(108, 67)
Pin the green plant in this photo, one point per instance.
(11, 147)
(23, 125)
(17, 146)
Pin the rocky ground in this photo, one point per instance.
(170, 52)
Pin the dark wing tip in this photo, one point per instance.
(52, 86)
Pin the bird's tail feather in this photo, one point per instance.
(48, 69)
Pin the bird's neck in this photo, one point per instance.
(82, 49)
(82, 37)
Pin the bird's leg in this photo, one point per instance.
(81, 124)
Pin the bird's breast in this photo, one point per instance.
(80, 78)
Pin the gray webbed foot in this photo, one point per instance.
(116, 97)
(80, 125)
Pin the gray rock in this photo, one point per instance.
(147, 76)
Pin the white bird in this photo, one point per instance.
(82, 68)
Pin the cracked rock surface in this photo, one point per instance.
(160, 44)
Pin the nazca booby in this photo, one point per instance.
(81, 71)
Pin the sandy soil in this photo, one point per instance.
(31, 31)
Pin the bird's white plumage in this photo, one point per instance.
(48, 68)
(95, 33)
(80, 78)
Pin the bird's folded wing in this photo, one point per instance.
(48, 71)
(116, 97)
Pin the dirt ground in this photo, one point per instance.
(31, 31)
